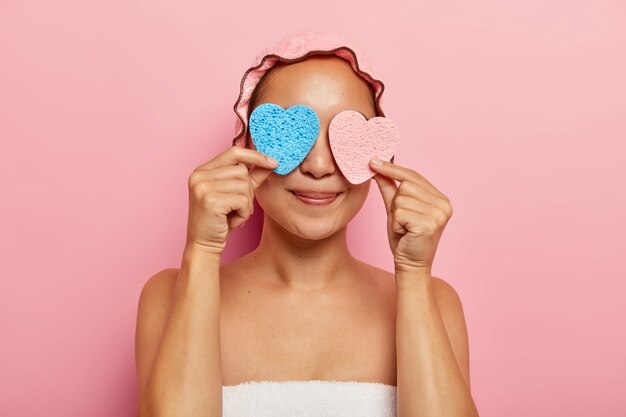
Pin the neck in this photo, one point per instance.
(302, 264)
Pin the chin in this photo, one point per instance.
(304, 224)
(311, 224)
(314, 230)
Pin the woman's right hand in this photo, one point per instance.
(221, 195)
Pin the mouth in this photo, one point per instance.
(315, 198)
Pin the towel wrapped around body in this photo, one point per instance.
(312, 398)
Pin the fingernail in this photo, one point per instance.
(376, 161)
(272, 160)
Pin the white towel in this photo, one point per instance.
(312, 398)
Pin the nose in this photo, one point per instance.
(319, 161)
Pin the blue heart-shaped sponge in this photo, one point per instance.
(285, 135)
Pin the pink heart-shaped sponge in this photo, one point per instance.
(355, 140)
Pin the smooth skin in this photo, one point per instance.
(300, 306)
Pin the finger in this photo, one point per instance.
(237, 207)
(416, 190)
(397, 225)
(413, 204)
(418, 223)
(234, 186)
(404, 220)
(234, 198)
(238, 171)
(401, 173)
(258, 175)
(254, 177)
(237, 154)
(409, 205)
(388, 189)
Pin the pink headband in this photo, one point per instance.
(293, 48)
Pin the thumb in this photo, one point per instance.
(388, 189)
(258, 174)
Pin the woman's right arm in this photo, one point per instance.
(184, 378)
(178, 324)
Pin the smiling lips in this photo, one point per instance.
(315, 198)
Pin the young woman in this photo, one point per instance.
(299, 326)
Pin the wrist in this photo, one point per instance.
(194, 251)
(421, 269)
(212, 249)
(197, 264)
(418, 279)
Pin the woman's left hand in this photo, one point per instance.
(417, 213)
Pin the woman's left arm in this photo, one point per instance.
(431, 334)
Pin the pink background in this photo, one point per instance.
(515, 110)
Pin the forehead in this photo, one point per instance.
(328, 84)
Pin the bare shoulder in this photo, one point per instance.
(446, 293)
(154, 300)
(160, 284)
(379, 275)
(451, 309)
(447, 296)
(152, 311)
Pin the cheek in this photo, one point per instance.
(356, 196)
(271, 192)
(362, 190)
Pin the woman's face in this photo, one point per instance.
(328, 85)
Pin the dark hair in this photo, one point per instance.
(263, 85)
(259, 91)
